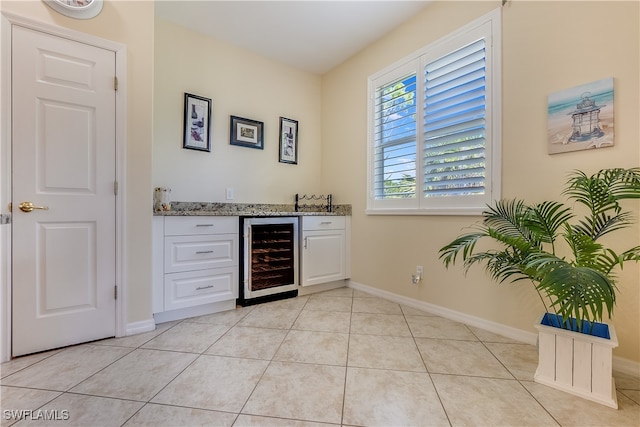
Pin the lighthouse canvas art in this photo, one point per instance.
(581, 118)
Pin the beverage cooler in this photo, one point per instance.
(269, 259)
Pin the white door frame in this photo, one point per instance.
(7, 20)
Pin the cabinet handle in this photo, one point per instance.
(326, 222)
(204, 252)
(199, 288)
(306, 244)
(204, 225)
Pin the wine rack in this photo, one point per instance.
(272, 256)
(318, 202)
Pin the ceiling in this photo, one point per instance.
(314, 36)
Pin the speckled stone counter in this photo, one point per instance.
(246, 209)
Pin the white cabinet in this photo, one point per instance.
(198, 262)
(325, 249)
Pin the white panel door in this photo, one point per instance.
(63, 158)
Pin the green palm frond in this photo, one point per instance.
(601, 193)
(582, 287)
(463, 245)
(508, 218)
(582, 293)
(546, 218)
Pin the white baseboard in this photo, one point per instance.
(620, 364)
(197, 310)
(308, 290)
(140, 327)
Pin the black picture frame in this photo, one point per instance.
(197, 123)
(288, 141)
(246, 132)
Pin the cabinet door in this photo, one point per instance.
(323, 256)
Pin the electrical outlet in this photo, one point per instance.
(229, 193)
(417, 278)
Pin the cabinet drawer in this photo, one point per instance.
(199, 287)
(327, 222)
(183, 253)
(193, 225)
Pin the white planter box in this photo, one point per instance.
(577, 363)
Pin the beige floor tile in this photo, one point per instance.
(137, 340)
(379, 324)
(229, 317)
(632, 394)
(257, 421)
(189, 337)
(361, 294)
(84, 411)
(572, 411)
(439, 327)
(460, 358)
(626, 381)
(487, 336)
(67, 368)
(137, 376)
(214, 382)
(326, 348)
(475, 401)
(17, 398)
(299, 391)
(22, 362)
(375, 305)
(385, 352)
(153, 415)
(520, 359)
(252, 343)
(329, 303)
(297, 303)
(410, 311)
(270, 317)
(323, 321)
(376, 397)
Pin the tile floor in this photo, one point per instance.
(341, 357)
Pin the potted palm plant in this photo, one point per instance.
(546, 244)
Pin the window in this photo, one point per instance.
(434, 126)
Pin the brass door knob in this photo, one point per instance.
(28, 207)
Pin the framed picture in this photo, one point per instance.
(197, 122)
(288, 141)
(246, 133)
(581, 117)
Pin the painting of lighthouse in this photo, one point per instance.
(581, 118)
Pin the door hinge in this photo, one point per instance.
(115, 188)
(115, 292)
(115, 83)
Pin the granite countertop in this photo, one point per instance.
(248, 209)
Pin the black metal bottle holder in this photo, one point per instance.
(324, 202)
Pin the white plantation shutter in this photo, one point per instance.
(434, 126)
(454, 117)
(395, 139)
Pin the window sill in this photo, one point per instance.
(433, 212)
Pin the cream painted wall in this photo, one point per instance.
(547, 47)
(129, 23)
(242, 84)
